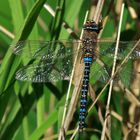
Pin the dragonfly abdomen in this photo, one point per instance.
(83, 101)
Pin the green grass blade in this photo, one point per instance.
(46, 124)
(27, 26)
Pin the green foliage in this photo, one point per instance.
(34, 111)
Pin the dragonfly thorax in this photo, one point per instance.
(89, 46)
(88, 41)
(91, 31)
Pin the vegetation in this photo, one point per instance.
(33, 111)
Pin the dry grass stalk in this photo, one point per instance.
(111, 83)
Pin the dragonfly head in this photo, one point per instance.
(92, 26)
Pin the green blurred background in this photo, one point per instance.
(34, 111)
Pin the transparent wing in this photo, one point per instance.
(48, 70)
(41, 49)
(99, 73)
(60, 69)
(107, 48)
(46, 50)
(54, 60)
(127, 75)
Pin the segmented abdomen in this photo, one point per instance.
(83, 101)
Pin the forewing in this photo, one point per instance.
(107, 48)
(45, 50)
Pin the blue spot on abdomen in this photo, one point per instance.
(88, 59)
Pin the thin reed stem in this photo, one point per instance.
(6, 32)
(98, 11)
(70, 84)
(113, 71)
(65, 24)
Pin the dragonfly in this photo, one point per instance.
(52, 61)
